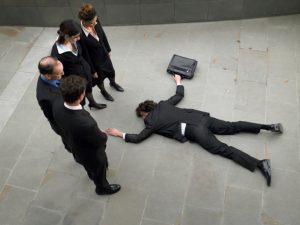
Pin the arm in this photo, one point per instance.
(179, 91)
(133, 138)
(105, 41)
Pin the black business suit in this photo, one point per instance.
(87, 141)
(74, 65)
(46, 95)
(98, 53)
(166, 120)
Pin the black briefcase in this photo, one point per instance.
(182, 66)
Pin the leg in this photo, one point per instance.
(206, 139)
(109, 72)
(93, 103)
(222, 127)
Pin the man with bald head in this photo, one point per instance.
(47, 91)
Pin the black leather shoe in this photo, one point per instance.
(265, 168)
(107, 96)
(116, 86)
(277, 128)
(97, 106)
(113, 188)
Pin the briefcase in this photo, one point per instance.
(182, 66)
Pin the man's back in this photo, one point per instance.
(80, 131)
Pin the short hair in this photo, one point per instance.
(87, 12)
(146, 106)
(67, 27)
(46, 66)
(72, 87)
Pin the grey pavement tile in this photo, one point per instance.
(7, 108)
(240, 115)
(10, 149)
(41, 216)
(84, 211)
(29, 64)
(63, 161)
(282, 63)
(56, 191)
(31, 110)
(282, 91)
(279, 203)
(195, 216)
(28, 34)
(214, 102)
(4, 173)
(44, 137)
(14, 56)
(254, 34)
(46, 38)
(253, 66)
(24, 175)
(285, 114)
(126, 215)
(164, 208)
(250, 97)
(16, 199)
(5, 78)
(207, 185)
(17, 86)
(222, 82)
(152, 222)
(242, 206)
(284, 153)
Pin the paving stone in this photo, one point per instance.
(194, 216)
(253, 66)
(23, 175)
(84, 211)
(16, 199)
(279, 204)
(41, 216)
(152, 222)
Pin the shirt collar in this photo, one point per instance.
(62, 49)
(54, 83)
(85, 31)
(76, 107)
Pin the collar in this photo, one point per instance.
(85, 31)
(76, 107)
(54, 83)
(62, 49)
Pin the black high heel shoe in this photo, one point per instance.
(97, 106)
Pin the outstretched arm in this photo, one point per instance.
(133, 138)
(179, 91)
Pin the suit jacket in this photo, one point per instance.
(73, 65)
(166, 118)
(46, 95)
(97, 56)
(81, 133)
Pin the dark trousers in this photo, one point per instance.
(96, 169)
(203, 134)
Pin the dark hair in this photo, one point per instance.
(45, 66)
(87, 12)
(146, 106)
(67, 27)
(72, 87)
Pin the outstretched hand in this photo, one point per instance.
(114, 132)
(177, 79)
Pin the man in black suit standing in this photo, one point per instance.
(47, 91)
(82, 134)
(166, 119)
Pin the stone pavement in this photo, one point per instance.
(247, 70)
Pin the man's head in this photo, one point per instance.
(145, 107)
(72, 89)
(51, 68)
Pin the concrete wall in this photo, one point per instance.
(124, 12)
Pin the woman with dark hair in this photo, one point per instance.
(94, 39)
(68, 50)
